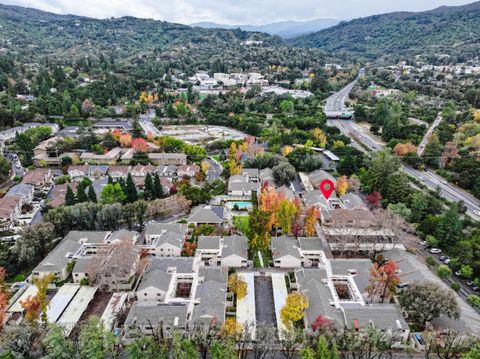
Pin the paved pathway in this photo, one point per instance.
(264, 304)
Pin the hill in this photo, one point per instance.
(452, 30)
(35, 33)
(285, 29)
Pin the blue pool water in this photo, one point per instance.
(241, 205)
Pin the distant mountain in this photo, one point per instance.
(285, 29)
(448, 30)
(35, 33)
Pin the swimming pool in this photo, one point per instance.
(241, 205)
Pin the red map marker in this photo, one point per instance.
(327, 188)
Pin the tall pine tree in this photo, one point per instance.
(69, 197)
(157, 187)
(81, 195)
(92, 196)
(148, 191)
(130, 190)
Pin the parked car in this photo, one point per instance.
(435, 251)
(443, 182)
(475, 288)
(424, 243)
(477, 212)
(446, 261)
(469, 283)
(457, 273)
(443, 258)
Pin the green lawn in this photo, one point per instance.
(241, 223)
(216, 158)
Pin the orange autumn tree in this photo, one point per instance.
(150, 136)
(402, 149)
(341, 186)
(3, 297)
(139, 144)
(383, 280)
(125, 140)
(31, 306)
(269, 201)
(311, 218)
(286, 150)
(116, 133)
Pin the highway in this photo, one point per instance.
(358, 134)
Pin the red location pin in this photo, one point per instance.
(327, 188)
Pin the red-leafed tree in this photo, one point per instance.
(383, 279)
(374, 199)
(139, 144)
(322, 324)
(189, 249)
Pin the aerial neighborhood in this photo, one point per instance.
(171, 191)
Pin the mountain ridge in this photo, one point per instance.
(442, 31)
(285, 29)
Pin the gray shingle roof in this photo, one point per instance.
(211, 293)
(146, 314)
(58, 258)
(205, 215)
(157, 228)
(341, 266)
(285, 246)
(310, 244)
(21, 190)
(235, 244)
(381, 316)
(208, 242)
(158, 273)
(310, 283)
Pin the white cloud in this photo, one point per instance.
(231, 11)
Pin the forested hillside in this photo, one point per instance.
(453, 31)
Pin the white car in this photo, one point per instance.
(477, 212)
(421, 178)
(443, 182)
(435, 251)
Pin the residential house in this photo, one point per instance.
(234, 251)
(97, 171)
(213, 215)
(165, 239)
(112, 123)
(22, 191)
(251, 174)
(356, 230)
(57, 196)
(40, 178)
(168, 280)
(142, 170)
(210, 301)
(10, 209)
(109, 158)
(167, 171)
(244, 189)
(177, 159)
(187, 170)
(75, 245)
(290, 252)
(209, 248)
(316, 177)
(117, 172)
(148, 318)
(266, 177)
(77, 173)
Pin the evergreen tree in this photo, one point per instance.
(148, 192)
(449, 228)
(121, 182)
(81, 194)
(157, 187)
(69, 197)
(130, 190)
(92, 196)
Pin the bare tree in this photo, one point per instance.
(291, 342)
(115, 265)
(264, 343)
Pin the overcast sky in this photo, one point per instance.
(255, 12)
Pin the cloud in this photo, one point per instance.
(253, 12)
